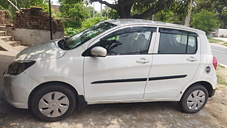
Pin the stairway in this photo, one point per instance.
(7, 41)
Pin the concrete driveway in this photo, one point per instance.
(138, 115)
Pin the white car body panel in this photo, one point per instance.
(170, 65)
(42, 51)
(102, 70)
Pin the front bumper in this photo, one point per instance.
(17, 89)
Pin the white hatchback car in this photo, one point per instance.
(115, 61)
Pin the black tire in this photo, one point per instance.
(53, 102)
(194, 99)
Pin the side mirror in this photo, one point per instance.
(98, 51)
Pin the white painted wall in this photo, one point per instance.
(33, 36)
(221, 33)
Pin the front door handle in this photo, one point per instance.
(142, 61)
(191, 59)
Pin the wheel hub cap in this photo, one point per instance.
(196, 100)
(53, 104)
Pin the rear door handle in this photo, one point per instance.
(191, 59)
(142, 61)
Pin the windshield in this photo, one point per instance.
(84, 36)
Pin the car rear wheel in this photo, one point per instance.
(194, 99)
(53, 102)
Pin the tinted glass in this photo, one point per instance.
(127, 43)
(170, 43)
(87, 34)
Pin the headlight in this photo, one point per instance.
(19, 66)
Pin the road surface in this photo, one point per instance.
(220, 52)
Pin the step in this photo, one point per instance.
(2, 33)
(9, 48)
(7, 38)
(20, 47)
(3, 28)
(13, 43)
(2, 49)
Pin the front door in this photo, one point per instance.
(122, 74)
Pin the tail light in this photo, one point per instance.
(215, 62)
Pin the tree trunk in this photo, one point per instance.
(188, 17)
(124, 11)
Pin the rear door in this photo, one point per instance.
(174, 64)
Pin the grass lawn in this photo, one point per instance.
(211, 40)
(225, 44)
(222, 77)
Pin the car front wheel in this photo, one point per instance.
(194, 99)
(53, 102)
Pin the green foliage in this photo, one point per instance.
(70, 1)
(217, 6)
(221, 80)
(110, 13)
(225, 44)
(91, 21)
(70, 31)
(73, 14)
(92, 11)
(175, 13)
(44, 6)
(205, 20)
(168, 16)
(223, 18)
(22, 4)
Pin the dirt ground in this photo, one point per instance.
(138, 115)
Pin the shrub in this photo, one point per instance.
(206, 21)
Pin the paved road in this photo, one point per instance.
(220, 52)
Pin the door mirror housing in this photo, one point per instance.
(99, 51)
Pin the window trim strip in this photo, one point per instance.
(177, 31)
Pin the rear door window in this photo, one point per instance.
(177, 42)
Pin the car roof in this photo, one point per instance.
(123, 22)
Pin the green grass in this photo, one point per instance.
(211, 40)
(221, 80)
(221, 66)
(225, 43)
(222, 75)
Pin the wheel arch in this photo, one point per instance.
(80, 100)
(206, 84)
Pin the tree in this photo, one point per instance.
(20, 4)
(166, 15)
(217, 6)
(73, 14)
(110, 13)
(92, 11)
(188, 17)
(148, 7)
(205, 20)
